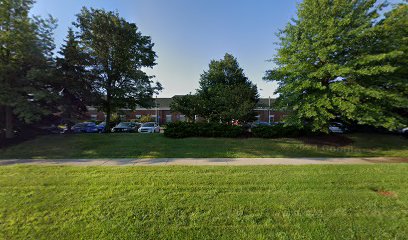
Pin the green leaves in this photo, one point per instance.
(26, 63)
(225, 94)
(117, 52)
(340, 60)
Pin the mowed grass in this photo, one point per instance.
(158, 146)
(259, 202)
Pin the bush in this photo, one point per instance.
(185, 129)
(278, 131)
(146, 118)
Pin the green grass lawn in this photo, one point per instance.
(261, 202)
(158, 146)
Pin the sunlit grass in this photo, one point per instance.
(260, 202)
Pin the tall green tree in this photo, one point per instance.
(226, 93)
(338, 61)
(392, 49)
(26, 64)
(187, 105)
(117, 53)
(74, 80)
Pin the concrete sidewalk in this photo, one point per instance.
(201, 161)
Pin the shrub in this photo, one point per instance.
(278, 131)
(146, 118)
(185, 129)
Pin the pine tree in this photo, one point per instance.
(74, 81)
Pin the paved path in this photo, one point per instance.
(200, 161)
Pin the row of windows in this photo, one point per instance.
(271, 118)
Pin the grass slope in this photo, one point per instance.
(263, 202)
(157, 146)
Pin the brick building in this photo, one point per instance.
(162, 113)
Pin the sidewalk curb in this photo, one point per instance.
(200, 161)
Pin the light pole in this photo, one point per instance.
(269, 110)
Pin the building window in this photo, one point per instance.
(94, 117)
(168, 118)
(271, 118)
(258, 117)
(154, 118)
(182, 118)
(138, 116)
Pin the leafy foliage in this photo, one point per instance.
(146, 118)
(337, 60)
(279, 131)
(225, 94)
(117, 53)
(188, 105)
(26, 63)
(74, 80)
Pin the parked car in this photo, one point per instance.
(126, 127)
(149, 127)
(404, 131)
(101, 126)
(337, 127)
(85, 127)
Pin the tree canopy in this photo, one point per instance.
(186, 104)
(74, 80)
(225, 94)
(117, 53)
(26, 63)
(341, 60)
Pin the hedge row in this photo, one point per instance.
(184, 129)
(278, 131)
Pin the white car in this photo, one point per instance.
(149, 127)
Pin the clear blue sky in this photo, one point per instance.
(189, 33)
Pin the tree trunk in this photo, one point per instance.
(9, 122)
(107, 119)
(108, 112)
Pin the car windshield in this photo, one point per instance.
(336, 124)
(102, 124)
(124, 124)
(148, 125)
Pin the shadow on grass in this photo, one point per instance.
(157, 146)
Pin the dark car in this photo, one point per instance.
(126, 127)
(85, 127)
(336, 127)
(101, 126)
